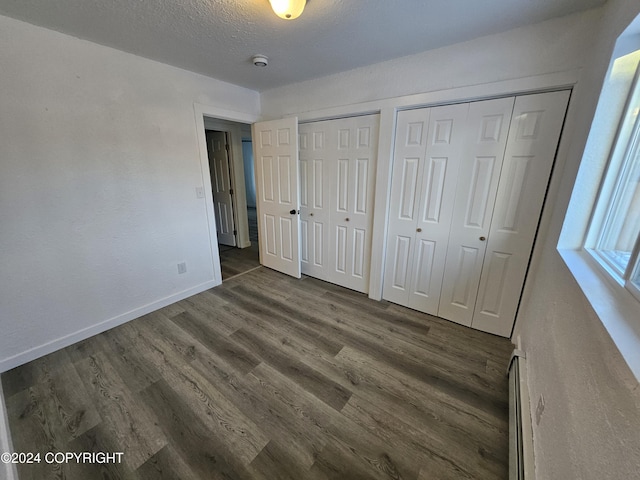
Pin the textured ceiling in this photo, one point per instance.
(218, 37)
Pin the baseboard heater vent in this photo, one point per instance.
(521, 465)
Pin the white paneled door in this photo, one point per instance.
(480, 167)
(425, 172)
(467, 190)
(337, 173)
(352, 201)
(531, 148)
(277, 190)
(221, 186)
(316, 162)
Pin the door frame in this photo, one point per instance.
(229, 120)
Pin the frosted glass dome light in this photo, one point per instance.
(288, 9)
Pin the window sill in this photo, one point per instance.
(617, 309)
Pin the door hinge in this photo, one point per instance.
(231, 191)
(227, 147)
(235, 232)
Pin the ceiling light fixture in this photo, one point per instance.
(288, 9)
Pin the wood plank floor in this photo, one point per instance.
(268, 377)
(234, 261)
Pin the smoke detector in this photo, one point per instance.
(260, 60)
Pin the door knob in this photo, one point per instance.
(311, 214)
(482, 239)
(418, 230)
(292, 212)
(346, 219)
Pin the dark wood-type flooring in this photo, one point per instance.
(234, 261)
(268, 377)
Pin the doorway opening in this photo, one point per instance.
(250, 189)
(231, 171)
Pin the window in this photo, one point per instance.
(599, 242)
(614, 233)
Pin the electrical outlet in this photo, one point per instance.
(200, 192)
(182, 268)
(539, 409)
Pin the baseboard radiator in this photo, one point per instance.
(521, 463)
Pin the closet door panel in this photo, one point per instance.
(396, 285)
(352, 200)
(479, 172)
(424, 261)
(463, 262)
(437, 178)
(315, 141)
(533, 139)
(341, 248)
(409, 153)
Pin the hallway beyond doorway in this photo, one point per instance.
(235, 261)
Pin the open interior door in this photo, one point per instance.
(217, 147)
(275, 146)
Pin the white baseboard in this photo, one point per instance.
(70, 339)
(8, 471)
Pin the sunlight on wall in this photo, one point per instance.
(624, 67)
(602, 135)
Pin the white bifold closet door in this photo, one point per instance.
(479, 173)
(531, 149)
(337, 175)
(464, 212)
(430, 164)
(425, 169)
(315, 196)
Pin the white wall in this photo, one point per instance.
(98, 174)
(553, 46)
(590, 427)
